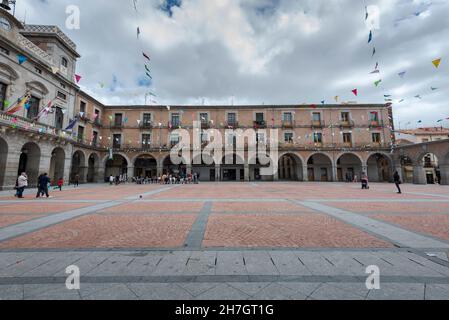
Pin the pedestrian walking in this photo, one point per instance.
(397, 181)
(76, 182)
(42, 185)
(60, 183)
(111, 179)
(22, 183)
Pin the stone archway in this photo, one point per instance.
(92, 168)
(319, 167)
(29, 161)
(430, 164)
(145, 166)
(290, 167)
(116, 166)
(57, 164)
(349, 167)
(379, 168)
(3, 159)
(78, 167)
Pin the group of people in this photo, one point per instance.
(117, 179)
(169, 179)
(396, 179)
(43, 185)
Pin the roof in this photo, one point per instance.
(48, 30)
(229, 107)
(427, 131)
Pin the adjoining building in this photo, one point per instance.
(67, 133)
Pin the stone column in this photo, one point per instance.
(99, 174)
(419, 175)
(217, 172)
(160, 170)
(246, 167)
(444, 174)
(83, 174)
(334, 173)
(305, 173)
(11, 169)
(130, 173)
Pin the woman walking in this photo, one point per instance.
(397, 181)
(22, 183)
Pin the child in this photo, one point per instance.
(60, 183)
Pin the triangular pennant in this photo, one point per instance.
(146, 56)
(77, 78)
(355, 92)
(370, 37)
(402, 74)
(377, 83)
(21, 58)
(436, 62)
(55, 70)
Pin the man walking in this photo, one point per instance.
(76, 182)
(22, 183)
(397, 181)
(42, 187)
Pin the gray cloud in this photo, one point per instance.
(270, 51)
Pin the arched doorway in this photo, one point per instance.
(255, 170)
(349, 166)
(290, 168)
(145, 166)
(232, 168)
(205, 169)
(116, 166)
(168, 167)
(3, 159)
(92, 168)
(57, 164)
(431, 168)
(29, 161)
(379, 168)
(319, 168)
(407, 169)
(78, 166)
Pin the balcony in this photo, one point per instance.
(116, 146)
(318, 124)
(232, 124)
(146, 125)
(205, 124)
(288, 124)
(83, 116)
(259, 125)
(174, 125)
(347, 124)
(375, 124)
(117, 126)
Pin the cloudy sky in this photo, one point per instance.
(261, 51)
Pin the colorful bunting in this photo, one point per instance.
(355, 92)
(370, 37)
(21, 58)
(402, 74)
(377, 83)
(77, 78)
(436, 62)
(71, 124)
(146, 56)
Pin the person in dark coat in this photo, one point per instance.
(42, 185)
(397, 181)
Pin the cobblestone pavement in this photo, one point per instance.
(227, 241)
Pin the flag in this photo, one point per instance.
(148, 69)
(377, 65)
(149, 75)
(355, 92)
(377, 83)
(21, 58)
(370, 37)
(146, 56)
(374, 51)
(21, 103)
(71, 124)
(402, 74)
(436, 62)
(418, 96)
(77, 78)
(441, 120)
(419, 121)
(138, 32)
(433, 89)
(375, 71)
(402, 100)
(387, 95)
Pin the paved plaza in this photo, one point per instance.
(227, 241)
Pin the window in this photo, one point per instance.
(117, 142)
(97, 116)
(174, 139)
(175, 120)
(374, 116)
(376, 137)
(345, 116)
(3, 50)
(232, 118)
(259, 118)
(82, 106)
(62, 96)
(147, 119)
(59, 118)
(94, 138)
(64, 62)
(318, 137)
(204, 118)
(288, 137)
(287, 116)
(33, 107)
(347, 137)
(63, 86)
(3, 88)
(38, 70)
(146, 141)
(316, 117)
(118, 120)
(80, 133)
